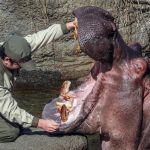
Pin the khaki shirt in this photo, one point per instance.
(8, 105)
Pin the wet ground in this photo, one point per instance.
(33, 101)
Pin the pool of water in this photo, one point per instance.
(33, 101)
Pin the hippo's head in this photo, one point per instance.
(96, 30)
(99, 38)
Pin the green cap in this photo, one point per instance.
(19, 50)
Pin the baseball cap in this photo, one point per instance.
(19, 50)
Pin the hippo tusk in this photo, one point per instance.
(64, 113)
(60, 104)
(65, 89)
(64, 110)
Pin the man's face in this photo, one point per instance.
(10, 64)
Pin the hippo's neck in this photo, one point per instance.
(121, 53)
(121, 50)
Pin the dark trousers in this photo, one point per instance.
(8, 131)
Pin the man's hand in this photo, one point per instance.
(70, 25)
(48, 125)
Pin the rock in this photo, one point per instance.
(39, 140)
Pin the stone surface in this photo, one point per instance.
(58, 58)
(39, 140)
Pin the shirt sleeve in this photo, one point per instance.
(11, 111)
(44, 37)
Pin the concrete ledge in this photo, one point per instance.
(40, 140)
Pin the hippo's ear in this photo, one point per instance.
(139, 66)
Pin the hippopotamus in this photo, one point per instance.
(110, 100)
(144, 143)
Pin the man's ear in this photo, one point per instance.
(6, 58)
(139, 66)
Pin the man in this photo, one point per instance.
(15, 53)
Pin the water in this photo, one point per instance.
(33, 101)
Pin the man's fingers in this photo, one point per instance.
(48, 125)
(53, 123)
(53, 127)
(51, 130)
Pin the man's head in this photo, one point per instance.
(17, 54)
(96, 29)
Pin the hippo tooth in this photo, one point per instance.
(60, 104)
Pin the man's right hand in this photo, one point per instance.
(48, 125)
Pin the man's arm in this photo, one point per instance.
(44, 37)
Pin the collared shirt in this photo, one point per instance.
(8, 105)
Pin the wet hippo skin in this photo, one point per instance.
(110, 100)
(145, 134)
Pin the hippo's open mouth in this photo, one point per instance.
(65, 111)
